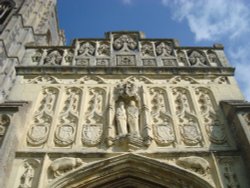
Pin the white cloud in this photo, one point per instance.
(212, 19)
(224, 20)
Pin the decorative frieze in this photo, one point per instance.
(124, 49)
(141, 114)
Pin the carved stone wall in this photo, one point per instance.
(126, 111)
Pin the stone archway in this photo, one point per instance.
(129, 171)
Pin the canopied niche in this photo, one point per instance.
(129, 170)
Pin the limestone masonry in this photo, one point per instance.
(119, 111)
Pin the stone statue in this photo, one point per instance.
(121, 119)
(27, 177)
(133, 118)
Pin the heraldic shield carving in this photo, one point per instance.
(92, 134)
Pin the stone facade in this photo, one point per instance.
(120, 111)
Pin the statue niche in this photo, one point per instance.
(127, 119)
(127, 115)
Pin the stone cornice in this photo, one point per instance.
(59, 70)
(12, 106)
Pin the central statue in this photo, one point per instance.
(127, 119)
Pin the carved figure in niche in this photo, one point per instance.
(147, 49)
(121, 119)
(164, 49)
(196, 164)
(53, 58)
(133, 118)
(64, 165)
(86, 49)
(196, 58)
(104, 49)
(27, 177)
(125, 42)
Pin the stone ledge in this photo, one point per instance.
(12, 106)
(62, 70)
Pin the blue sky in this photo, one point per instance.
(192, 22)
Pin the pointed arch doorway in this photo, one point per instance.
(129, 171)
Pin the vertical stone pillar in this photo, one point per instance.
(146, 121)
(110, 113)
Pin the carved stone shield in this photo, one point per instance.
(91, 134)
(164, 134)
(65, 134)
(38, 134)
(216, 134)
(190, 134)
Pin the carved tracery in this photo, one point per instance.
(163, 130)
(147, 49)
(182, 101)
(39, 130)
(208, 109)
(104, 49)
(181, 57)
(213, 58)
(164, 49)
(66, 130)
(92, 129)
(86, 49)
(125, 43)
(54, 57)
(197, 58)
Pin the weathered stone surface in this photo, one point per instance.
(122, 111)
